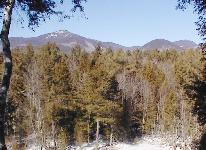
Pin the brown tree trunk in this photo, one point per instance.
(97, 134)
(111, 136)
(7, 67)
(88, 129)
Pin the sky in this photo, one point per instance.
(126, 22)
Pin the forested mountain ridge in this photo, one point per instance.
(186, 44)
(66, 40)
(162, 44)
(110, 95)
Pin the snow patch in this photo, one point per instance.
(51, 35)
(145, 143)
(62, 33)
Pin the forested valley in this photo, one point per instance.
(104, 95)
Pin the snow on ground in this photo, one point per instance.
(142, 146)
(123, 146)
(146, 143)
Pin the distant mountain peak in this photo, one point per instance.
(160, 44)
(62, 31)
(57, 34)
(66, 40)
(186, 44)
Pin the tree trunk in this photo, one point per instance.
(88, 130)
(7, 67)
(97, 134)
(111, 136)
(54, 135)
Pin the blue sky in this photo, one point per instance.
(126, 22)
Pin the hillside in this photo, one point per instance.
(160, 44)
(66, 40)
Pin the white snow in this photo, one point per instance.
(123, 146)
(62, 33)
(51, 35)
(34, 147)
(146, 143)
(142, 146)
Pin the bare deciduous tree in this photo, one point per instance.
(35, 109)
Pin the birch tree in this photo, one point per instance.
(36, 11)
(9, 4)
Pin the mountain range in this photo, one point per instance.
(66, 40)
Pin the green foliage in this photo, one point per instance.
(129, 93)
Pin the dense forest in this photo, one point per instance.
(83, 97)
